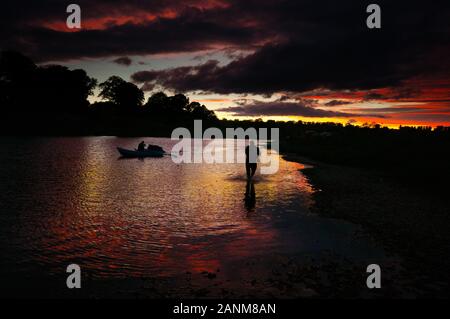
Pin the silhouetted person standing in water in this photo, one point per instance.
(251, 159)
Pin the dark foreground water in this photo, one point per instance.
(72, 200)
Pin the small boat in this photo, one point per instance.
(140, 154)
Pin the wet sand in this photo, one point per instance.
(275, 276)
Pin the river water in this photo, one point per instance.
(73, 200)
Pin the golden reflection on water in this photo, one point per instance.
(153, 217)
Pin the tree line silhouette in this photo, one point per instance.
(53, 100)
(26, 87)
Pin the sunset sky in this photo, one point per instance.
(279, 59)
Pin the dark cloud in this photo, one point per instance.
(279, 108)
(162, 36)
(374, 96)
(195, 26)
(337, 103)
(123, 61)
(394, 93)
(182, 79)
(297, 45)
(147, 87)
(32, 11)
(386, 110)
(328, 48)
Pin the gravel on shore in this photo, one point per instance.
(407, 219)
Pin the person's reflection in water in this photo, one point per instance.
(250, 195)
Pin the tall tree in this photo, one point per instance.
(199, 111)
(61, 89)
(55, 88)
(16, 76)
(178, 103)
(157, 103)
(125, 95)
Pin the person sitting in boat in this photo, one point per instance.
(141, 146)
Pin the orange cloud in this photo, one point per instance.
(106, 22)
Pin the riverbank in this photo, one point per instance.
(406, 219)
(278, 276)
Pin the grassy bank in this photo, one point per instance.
(408, 219)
